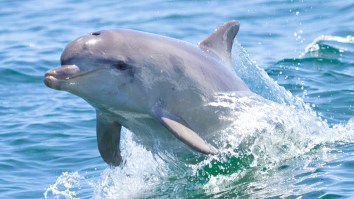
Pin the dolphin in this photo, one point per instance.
(155, 86)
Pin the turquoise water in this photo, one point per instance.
(299, 54)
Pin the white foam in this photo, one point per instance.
(314, 47)
(65, 186)
(272, 134)
(139, 174)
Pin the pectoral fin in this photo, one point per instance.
(108, 138)
(187, 135)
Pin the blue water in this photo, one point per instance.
(299, 54)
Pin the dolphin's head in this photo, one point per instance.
(95, 67)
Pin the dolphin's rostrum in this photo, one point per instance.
(155, 86)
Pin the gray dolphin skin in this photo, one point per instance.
(155, 86)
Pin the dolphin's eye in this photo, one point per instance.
(120, 66)
(95, 33)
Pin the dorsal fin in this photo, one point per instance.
(219, 42)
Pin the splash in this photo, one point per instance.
(269, 146)
(138, 176)
(260, 83)
(65, 186)
(272, 147)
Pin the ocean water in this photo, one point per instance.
(298, 54)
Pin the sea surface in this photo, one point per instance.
(297, 53)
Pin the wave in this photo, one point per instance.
(322, 76)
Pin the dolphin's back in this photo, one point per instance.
(191, 65)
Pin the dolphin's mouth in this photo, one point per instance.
(55, 78)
